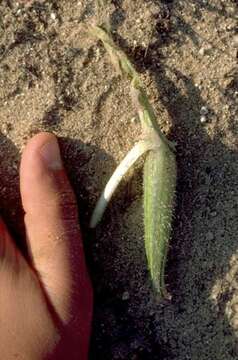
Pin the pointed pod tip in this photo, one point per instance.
(94, 221)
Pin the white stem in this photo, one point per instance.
(134, 154)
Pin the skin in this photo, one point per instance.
(45, 302)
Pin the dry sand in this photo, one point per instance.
(54, 77)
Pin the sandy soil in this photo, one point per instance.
(55, 77)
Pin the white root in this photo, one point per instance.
(133, 155)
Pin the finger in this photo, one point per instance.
(52, 228)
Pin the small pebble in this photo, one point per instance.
(208, 47)
(97, 54)
(204, 110)
(125, 296)
(202, 51)
(203, 119)
(231, 10)
(53, 16)
(235, 307)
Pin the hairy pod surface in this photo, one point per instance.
(159, 170)
(159, 193)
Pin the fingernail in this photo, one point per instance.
(51, 155)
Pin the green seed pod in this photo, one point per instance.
(159, 170)
(159, 191)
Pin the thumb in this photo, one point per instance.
(52, 228)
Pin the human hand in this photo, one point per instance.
(45, 305)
